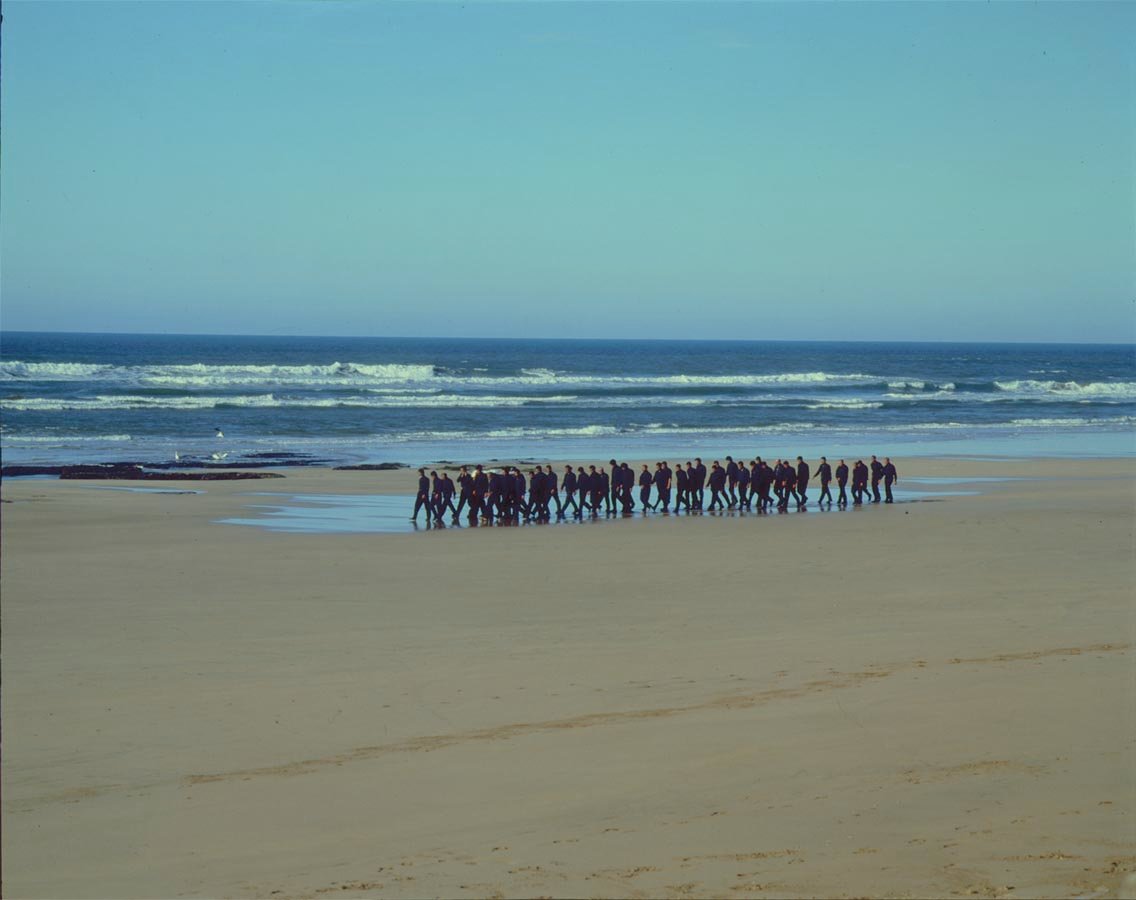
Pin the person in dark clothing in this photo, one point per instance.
(569, 483)
(732, 481)
(626, 488)
(742, 479)
(508, 495)
(446, 500)
(615, 487)
(754, 485)
(758, 486)
(824, 473)
(599, 489)
(492, 505)
(841, 481)
(890, 477)
(802, 483)
(592, 491)
(423, 497)
(662, 481)
(645, 482)
(480, 492)
(717, 486)
(520, 507)
(537, 508)
(436, 495)
(877, 473)
(682, 486)
(552, 493)
(698, 487)
(584, 490)
(778, 482)
(769, 487)
(788, 484)
(859, 482)
(465, 491)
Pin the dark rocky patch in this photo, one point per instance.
(128, 472)
(16, 471)
(372, 467)
(135, 473)
(122, 469)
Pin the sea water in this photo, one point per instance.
(67, 398)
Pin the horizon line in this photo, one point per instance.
(398, 337)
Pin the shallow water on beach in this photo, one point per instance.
(390, 513)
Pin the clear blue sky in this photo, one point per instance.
(908, 171)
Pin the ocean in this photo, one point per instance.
(68, 398)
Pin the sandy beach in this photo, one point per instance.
(929, 699)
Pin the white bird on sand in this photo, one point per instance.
(219, 433)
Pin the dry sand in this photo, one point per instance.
(930, 699)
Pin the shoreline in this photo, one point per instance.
(936, 703)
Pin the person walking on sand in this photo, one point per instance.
(465, 491)
(614, 487)
(779, 482)
(787, 478)
(584, 486)
(477, 503)
(765, 480)
(802, 483)
(698, 488)
(599, 488)
(682, 486)
(600, 485)
(877, 473)
(423, 497)
(742, 480)
(446, 496)
(841, 481)
(890, 477)
(491, 505)
(663, 486)
(717, 486)
(824, 473)
(859, 482)
(569, 483)
(536, 493)
(436, 495)
(520, 508)
(626, 488)
(731, 482)
(755, 484)
(645, 482)
(552, 492)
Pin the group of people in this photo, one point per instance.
(506, 495)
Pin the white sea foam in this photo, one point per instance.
(14, 439)
(845, 404)
(202, 375)
(197, 401)
(14, 370)
(354, 374)
(1119, 390)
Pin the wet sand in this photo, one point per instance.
(928, 699)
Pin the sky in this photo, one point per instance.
(831, 171)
